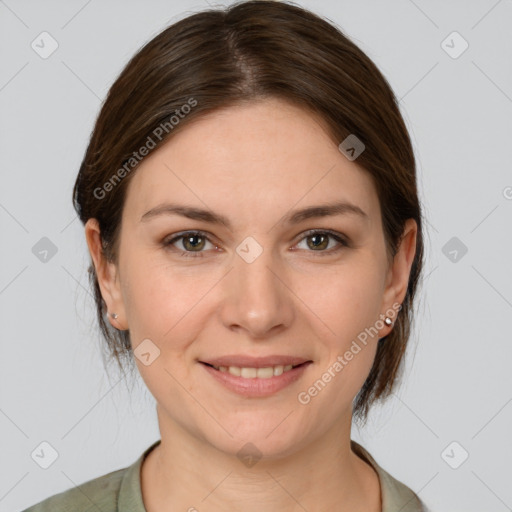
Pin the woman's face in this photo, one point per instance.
(264, 287)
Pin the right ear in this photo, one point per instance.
(106, 273)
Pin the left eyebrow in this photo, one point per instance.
(325, 210)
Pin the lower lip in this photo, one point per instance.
(257, 388)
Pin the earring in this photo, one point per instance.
(388, 321)
(113, 315)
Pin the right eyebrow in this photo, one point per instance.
(190, 212)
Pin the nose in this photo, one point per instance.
(256, 297)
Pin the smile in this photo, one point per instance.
(252, 382)
(256, 373)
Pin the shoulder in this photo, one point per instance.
(117, 490)
(100, 493)
(395, 495)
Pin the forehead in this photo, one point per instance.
(267, 154)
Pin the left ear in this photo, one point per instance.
(400, 270)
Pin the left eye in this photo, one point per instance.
(320, 240)
(193, 242)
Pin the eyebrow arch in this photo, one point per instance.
(294, 217)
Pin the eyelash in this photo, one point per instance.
(200, 254)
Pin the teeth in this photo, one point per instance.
(250, 373)
(253, 373)
(234, 371)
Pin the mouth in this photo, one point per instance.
(250, 372)
(256, 377)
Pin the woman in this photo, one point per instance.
(250, 206)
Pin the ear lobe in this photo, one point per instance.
(106, 274)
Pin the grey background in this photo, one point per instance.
(457, 384)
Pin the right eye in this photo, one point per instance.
(191, 241)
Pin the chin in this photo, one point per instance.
(258, 436)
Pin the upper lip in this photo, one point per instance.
(244, 361)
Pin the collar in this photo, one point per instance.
(395, 495)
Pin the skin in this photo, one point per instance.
(253, 164)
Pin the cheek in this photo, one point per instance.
(160, 298)
(349, 306)
(350, 310)
(349, 301)
(171, 309)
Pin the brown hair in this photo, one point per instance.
(249, 51)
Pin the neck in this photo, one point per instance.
(187, 473)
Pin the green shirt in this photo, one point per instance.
(120, 491)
